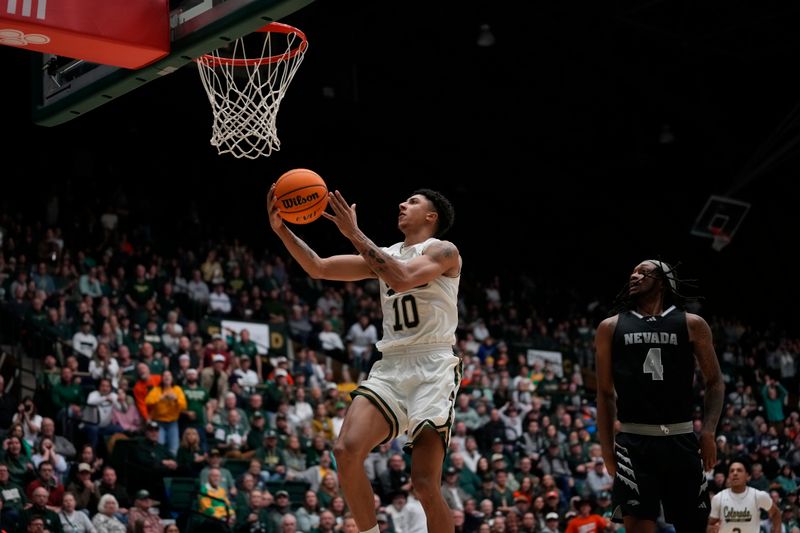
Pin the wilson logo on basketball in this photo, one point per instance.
(299, 200)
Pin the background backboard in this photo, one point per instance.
(719, 219)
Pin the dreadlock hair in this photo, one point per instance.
(443, 208)
(670, 283)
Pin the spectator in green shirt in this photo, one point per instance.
(20, 467)
(140, 290)
(67, 397)
(196, 400)
(773, 394)
(12, 497)
(152, 461)
(39, 508)
(134, 340)
(245, 346)
(255, 437)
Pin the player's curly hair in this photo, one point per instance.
(443, 208)
(672, 284)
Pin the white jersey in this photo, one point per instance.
(740, 512)
(427, 314)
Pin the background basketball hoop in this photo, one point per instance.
(246, 92)
(720, 239)
(719, 220)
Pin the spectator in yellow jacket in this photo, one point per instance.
(165, 402)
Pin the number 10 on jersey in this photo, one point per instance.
(405, 312)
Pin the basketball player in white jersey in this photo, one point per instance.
(412, 389)
(737, 509)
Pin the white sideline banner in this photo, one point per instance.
(259, 333)
(549, 359)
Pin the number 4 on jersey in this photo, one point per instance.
(652, 364)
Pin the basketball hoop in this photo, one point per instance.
(720, 239)
(246, 92)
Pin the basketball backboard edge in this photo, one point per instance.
(66, 90)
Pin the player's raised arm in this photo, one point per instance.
(336, 268)
(440, 258)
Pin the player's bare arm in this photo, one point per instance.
(701, 338)
(335, 268)
(606, 396)
(775, 518)
(441, 258)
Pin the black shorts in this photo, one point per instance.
(656, 471)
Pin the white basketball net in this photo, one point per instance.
(245, 93)
(720, 241)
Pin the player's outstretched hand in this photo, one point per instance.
(344, 215)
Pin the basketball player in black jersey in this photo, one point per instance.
(645, 369)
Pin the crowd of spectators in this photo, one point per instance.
(131, 352)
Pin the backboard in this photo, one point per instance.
(65, 88)
(719, 220)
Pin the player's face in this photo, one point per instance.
(737, 475)
(643, 278)
(413, 211)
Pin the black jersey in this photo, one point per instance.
(653, 364)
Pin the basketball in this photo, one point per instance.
(301, 196)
